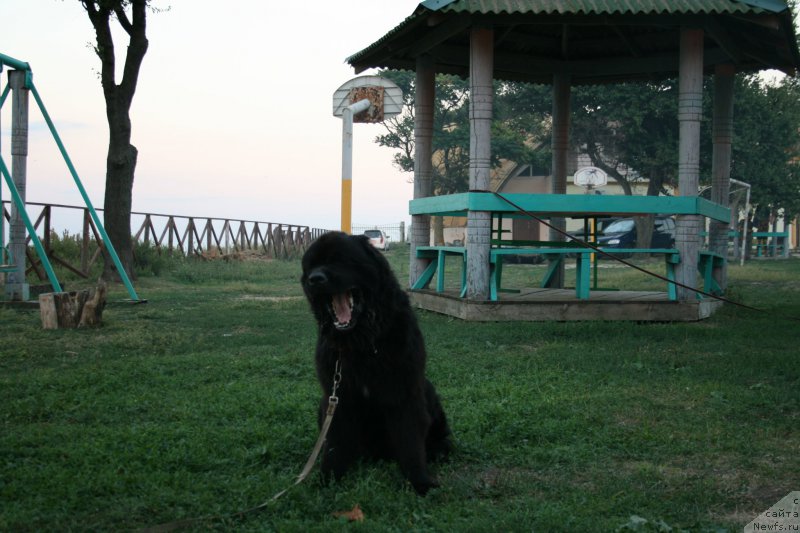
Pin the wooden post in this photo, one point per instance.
(147, 224)
(560, 149)
(190, 244)
(721, 164)
(479, 223)
(17, 287)
(690, 111)
(423, 164)
(46, 240)
(170, 233)
(85, 242)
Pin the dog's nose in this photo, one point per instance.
(317, 277)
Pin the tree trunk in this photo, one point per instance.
(438, 230)
(120, 167)
(644, 230)
(122, 155)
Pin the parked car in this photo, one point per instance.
(378, 239)
(621, 233)
(602, 223)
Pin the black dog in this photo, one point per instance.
(387, 408)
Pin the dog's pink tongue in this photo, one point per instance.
(341, 306)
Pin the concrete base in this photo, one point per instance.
(20, 292)
(532, 305)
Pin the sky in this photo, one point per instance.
(233, 112)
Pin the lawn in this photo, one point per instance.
(201, 403)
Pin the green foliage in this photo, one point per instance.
(512, 138)
(148, 260)
(766, 146)
(630, 130)
(202, 403)
(66, 246)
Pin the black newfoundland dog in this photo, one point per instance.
(387, 408)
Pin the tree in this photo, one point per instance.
(122, 155)
(510, 140)
(766, 146)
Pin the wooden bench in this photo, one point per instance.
(438, 254)
(582, 265)
(770, 243)
(708, 263)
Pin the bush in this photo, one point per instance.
(148, 260)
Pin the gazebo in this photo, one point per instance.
(573, 42)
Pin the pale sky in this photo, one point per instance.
(233, 112)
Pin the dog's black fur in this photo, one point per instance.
(387, 408)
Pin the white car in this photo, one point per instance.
(378, 239)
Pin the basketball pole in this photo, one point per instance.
(347, 161)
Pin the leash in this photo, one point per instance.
(602, 252)
(333, 402)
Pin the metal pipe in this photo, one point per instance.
(744, 226)
(31, 230)
(347, 161)
(742, 251)
(13, 63)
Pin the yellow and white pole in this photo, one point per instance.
(347, 161)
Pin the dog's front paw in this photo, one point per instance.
(422, 487)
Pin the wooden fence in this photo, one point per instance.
(171, 234)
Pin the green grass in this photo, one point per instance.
(202, 402)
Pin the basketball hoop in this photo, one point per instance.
(590, 177)
(365, 99)
(385, 98)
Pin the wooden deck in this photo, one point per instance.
(539, 305)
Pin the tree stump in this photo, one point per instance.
(72, 309)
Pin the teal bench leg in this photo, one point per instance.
(672, 290)
(495, 277)
(463, 275)
(426, 276)
(707, 265)
(582, 276)
(552, 268)
(440, 273)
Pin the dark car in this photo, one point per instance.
(621, 233)
(601, 223)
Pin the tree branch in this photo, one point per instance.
(122, 17)
(99, 16)
(137, 48)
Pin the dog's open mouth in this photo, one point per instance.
(341, 308)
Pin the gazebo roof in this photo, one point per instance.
(594, 41)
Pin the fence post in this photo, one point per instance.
(147, 230)
(47, 229)
(85, 242)
(170, 230)
(190, 230)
